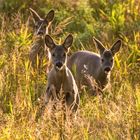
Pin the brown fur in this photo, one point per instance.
(60, 78)
(98, 66)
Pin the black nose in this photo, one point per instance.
(59, 64)
(107, 69)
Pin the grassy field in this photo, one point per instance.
(114, 116)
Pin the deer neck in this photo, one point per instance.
(60, 77)
(61, 74)
(103, 78)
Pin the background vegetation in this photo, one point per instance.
(116, 116)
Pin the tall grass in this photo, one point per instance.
(115, 115)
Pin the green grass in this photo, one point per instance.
(114, 116)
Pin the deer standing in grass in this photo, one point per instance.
(38, 50)
(98, 66)
(60, 78)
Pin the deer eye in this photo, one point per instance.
(102, 60)
(53, 54)
(64, 55)
(111, 60)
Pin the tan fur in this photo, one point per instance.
(60, 78)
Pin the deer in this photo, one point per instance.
(60, 78)
(38, 49)
(98, 66)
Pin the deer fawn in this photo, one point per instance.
(60, 77)
(38, 49)
(95, 65)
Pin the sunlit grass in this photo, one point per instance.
(113, 115)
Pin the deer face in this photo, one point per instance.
(107, 61)
(42, 24)
(107, 56)
(58, 52)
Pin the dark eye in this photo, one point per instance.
(111, 60)
(64, 55)
(53, 54)
(102, 60)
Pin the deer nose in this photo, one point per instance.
(107, 69)
(59, 64)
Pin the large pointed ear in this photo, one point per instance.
(36, 17)
(68, 41)
(116, 46)
(50, 16)
(99, 45)
(49, 42)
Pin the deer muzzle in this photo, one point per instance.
(59, 65)
(107, 70)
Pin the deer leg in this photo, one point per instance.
(51, 93)
(72, 101)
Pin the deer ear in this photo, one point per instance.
(68, 41)
(49, 42)
(99, 45)
(50, 16)
(36, 17)
(116, 46)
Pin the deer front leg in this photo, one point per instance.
(51, 93)
(72, 101)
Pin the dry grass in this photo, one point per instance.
(116, 115)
